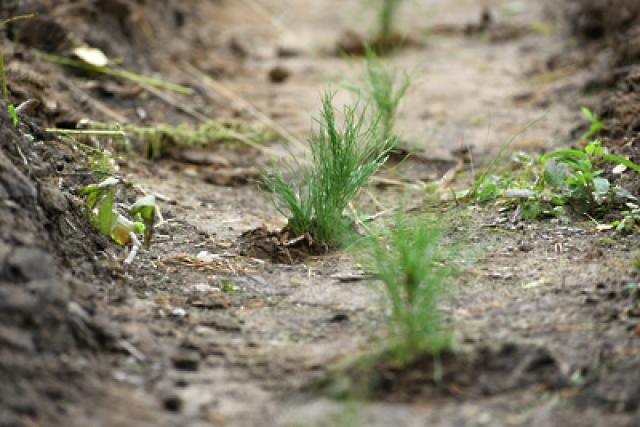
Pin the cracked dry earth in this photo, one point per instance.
(545, 321)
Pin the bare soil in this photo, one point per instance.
(546, 319)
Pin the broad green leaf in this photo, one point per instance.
(589, 115)
(555, 173)
(106, 217)
(145, 207)
(602, 186)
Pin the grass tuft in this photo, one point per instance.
(415, 270)
(314, 195)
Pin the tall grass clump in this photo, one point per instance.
(315, 191)
(415, 269)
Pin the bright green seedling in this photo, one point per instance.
(101, 213)
(144, 210)
(12, 112)
(415, 269)
(314, 194)
(596, 124)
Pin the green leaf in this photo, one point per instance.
(564, 154)
(12, 112)
(106, 217)
(555, 173)
(144, 207)
(595, 149)
(592, 117)
(602, 187)
(229, 285)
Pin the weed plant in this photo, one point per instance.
(314, 195)
(415, 269)
(571, 177)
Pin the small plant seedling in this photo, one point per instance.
(386, 19)
(415, 270)
(343, 158)
(100, 212)
(381, 90)
(596, 124)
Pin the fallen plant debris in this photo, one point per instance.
(100, 211)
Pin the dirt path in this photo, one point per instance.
(238, 341)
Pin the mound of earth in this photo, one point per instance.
(50, 322)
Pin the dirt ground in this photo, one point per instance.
(546, 321)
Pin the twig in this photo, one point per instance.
(230, 95)
(262, 11)
(135, 247)
(97, 105)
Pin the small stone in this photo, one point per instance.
(186, 360)
(52, 199)
(279, 74)
(211, 302)
(179, 312)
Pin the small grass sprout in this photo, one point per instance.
(596, 124)
(314, 195)
(386, 19)
(415, 270)
(381, 89)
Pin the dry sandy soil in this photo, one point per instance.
(546, 322)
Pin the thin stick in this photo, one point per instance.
(262, 11)
(97, 105)
(174, 103)
(230, 95)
